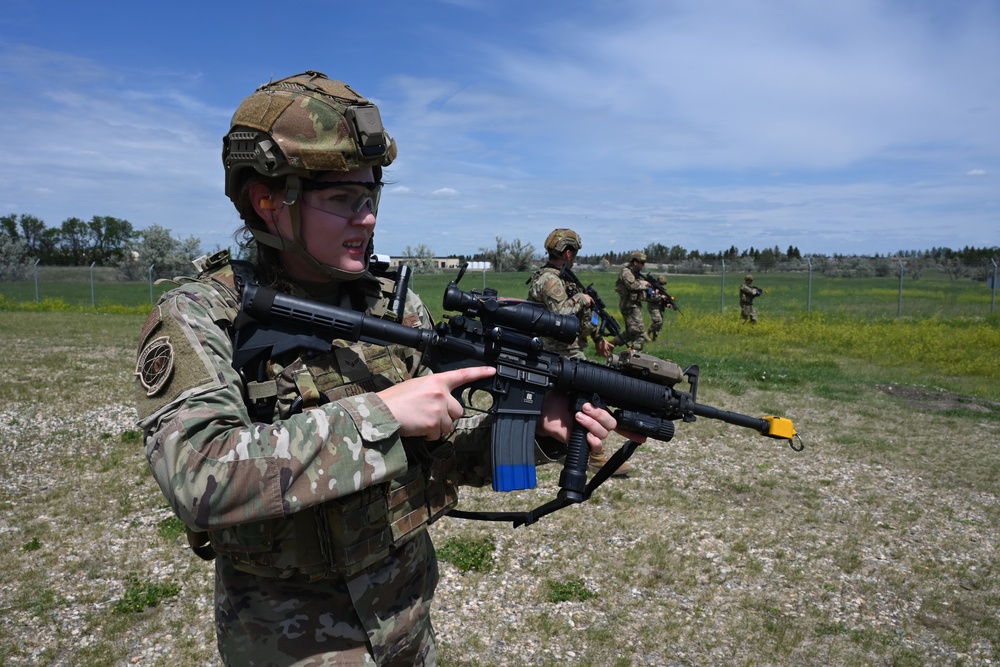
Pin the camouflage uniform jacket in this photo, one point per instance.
(563, 298)
(631, 289)
(327, 496)
(747, 294)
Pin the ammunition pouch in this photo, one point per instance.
(344, 536)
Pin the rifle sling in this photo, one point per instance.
(527, 518)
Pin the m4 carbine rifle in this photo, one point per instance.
(606, 321)
(504, 333)
(659, 288)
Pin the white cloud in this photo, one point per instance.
(845, 127)
(751, 85)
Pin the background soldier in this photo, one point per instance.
(560, 296)
(747, 294)
(655, 306)
(632, 292)
(310, 475)
(547, 287)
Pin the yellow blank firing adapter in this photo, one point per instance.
(784, 429)
(779, 427)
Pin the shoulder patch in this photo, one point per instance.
(174, 360)
(155, 365)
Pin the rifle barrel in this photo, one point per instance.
(735, 418)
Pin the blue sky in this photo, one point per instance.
(853, 127)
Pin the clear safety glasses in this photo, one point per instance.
(344, 199)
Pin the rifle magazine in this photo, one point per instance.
(514, 452)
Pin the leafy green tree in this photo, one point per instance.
(157, 248)
(75, 241)
(26, 228)
(32, 233)
(8, 226)
(509, 255)
(656, 252)
(15, 260)
(48, 246)
(521, 255)
(110, 236)
(419, 259)
(766, 260)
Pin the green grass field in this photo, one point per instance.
(934, 295)
(850, 333)
(875, 545)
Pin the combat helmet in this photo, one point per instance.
(561, 239)
(749, 278)
(300, 127)
(638, 256)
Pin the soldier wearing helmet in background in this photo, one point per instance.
(632, 292)
(747, 294)
(655, 305)
(560, 296)
(547, 287)
(311, 476)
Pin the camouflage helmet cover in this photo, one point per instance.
(304, 123)
(638, 256)
(749, 278)
(561, 239)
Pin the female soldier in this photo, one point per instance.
(310, 477)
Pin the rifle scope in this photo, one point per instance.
(513, 313)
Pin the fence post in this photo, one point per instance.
(150, 273)
(809, 290)
(899, 309)
(722, 304)
(993, 300)
(36, 279)
(93, 297)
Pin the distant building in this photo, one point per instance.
(436, 262)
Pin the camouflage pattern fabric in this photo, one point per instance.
(305, 114)
(747, 312)
(296, 621)
(283, 502)
(563, 298)
(655, 307)
(631, 291)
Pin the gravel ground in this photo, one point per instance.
(720, 549)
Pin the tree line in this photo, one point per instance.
(101, 241)
(108, 241)
(969, 262)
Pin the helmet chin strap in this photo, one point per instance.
(297, 245)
